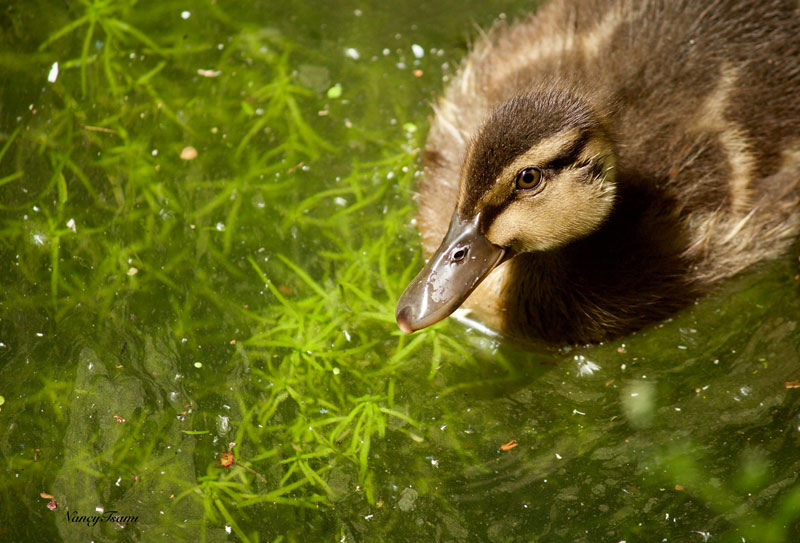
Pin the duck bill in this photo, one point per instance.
(462, 261)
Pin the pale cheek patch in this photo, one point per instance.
(565, 211)
(541, 153)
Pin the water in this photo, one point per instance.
(159, 311)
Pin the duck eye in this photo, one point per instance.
(529, 178)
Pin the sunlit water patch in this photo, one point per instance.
(207, 218)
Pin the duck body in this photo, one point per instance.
(617, 159)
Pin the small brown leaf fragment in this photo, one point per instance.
(294, 168)
(679, 488)
(46, 496)
(549, 363)
(621, 350)
(226, 459)
(510, 445)
(119, 418)
(417, 73)
(792, 384)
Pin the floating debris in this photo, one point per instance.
(226, 459)
(223, 424)
(585, 366)
(53, 75)
(407, 498)
(510, 445)
(418, 51)
(335, 92)
(285, 289)
(189, 153)
(209, 73)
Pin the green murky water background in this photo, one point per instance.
(160, 308)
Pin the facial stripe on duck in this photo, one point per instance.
(513, 129)
(555, 134)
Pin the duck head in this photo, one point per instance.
(539, 174)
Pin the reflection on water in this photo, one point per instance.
(161, 307)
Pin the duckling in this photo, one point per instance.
(603, 163)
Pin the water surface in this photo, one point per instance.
(206, 221)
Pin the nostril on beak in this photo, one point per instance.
(459, 254)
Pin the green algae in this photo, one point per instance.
(161, 306)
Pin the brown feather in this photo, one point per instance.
(700, 102)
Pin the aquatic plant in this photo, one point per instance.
(205, 227)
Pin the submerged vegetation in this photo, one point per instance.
(189, 171)
(206, 222)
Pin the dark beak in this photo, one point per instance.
(462, 261)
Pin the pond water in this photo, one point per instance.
(206, 222)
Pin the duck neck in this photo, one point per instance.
(604, 283)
